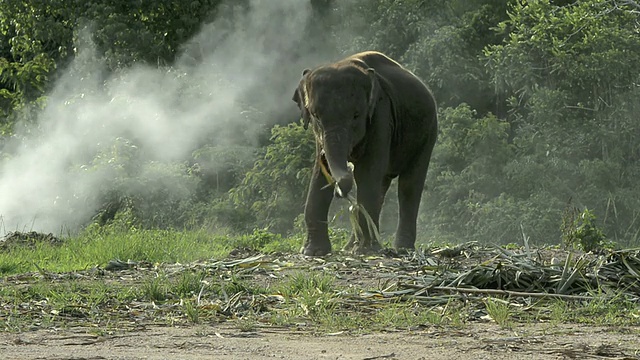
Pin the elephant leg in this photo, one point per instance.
(369, 242)
(386, 182)
(315, 215)
(410, 188)
(371, 189)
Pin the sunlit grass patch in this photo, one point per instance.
(97, 248)
(407, 316)
(189, 283)
(309, 296)
(304, 282)
(603, 311)
(499, 310)
(70, 302)
(192, 311)
(155, 288)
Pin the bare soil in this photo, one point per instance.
(224, 341)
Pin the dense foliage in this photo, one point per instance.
(538, 110)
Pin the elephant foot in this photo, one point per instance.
(313, 249)
(403, 246)
(404, 250)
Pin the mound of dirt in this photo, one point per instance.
(27, 239)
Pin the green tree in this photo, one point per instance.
(466, 175)
(274, 190)
(34, 38)
(569, 72)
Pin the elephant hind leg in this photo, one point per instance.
(410, 188)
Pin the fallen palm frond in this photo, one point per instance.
(517, 274)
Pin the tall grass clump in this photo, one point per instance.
(97, 246)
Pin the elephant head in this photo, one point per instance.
(339, 102)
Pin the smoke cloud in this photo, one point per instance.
(242, 66)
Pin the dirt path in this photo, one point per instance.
(475, 341)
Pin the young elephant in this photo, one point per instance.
(368, 110)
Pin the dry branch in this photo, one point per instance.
(512, 293)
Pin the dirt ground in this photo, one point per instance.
(473, 341)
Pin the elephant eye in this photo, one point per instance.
(356, 115)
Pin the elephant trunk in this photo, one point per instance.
(336, 151)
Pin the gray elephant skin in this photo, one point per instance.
(368, 110)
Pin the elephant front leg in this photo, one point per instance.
(315, 215)
(365, 238)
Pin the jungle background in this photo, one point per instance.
(178, 115)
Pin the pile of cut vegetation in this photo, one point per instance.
(437, 276)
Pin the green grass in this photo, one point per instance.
(98, 247)
(311, 296)
(155, 288)
(192, 311)
(77, 301)
(499, 310)
(227, 286)
(407, 316)
(303, 282)
(615, 311)
(190, 283)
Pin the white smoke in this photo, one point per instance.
(166, 111)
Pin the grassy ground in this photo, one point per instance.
(97, 247)
(120, 280)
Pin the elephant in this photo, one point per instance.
(370, 111)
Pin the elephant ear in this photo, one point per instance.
(299, 96)
(374, 95)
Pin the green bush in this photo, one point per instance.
(274, 190)
(579, 230)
